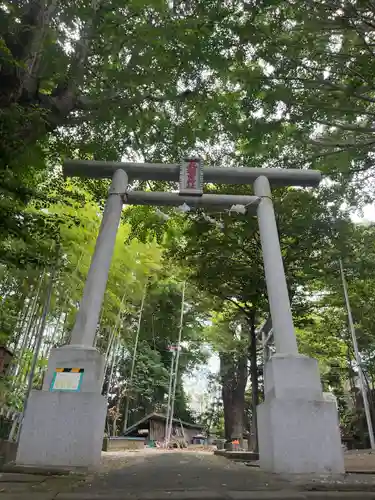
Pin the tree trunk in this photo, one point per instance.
(233, 370)
(227, 396)
(238, 408)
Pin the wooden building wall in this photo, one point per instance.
(157, 431)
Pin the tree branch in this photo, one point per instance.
(65, 93)
(243, 309)
(19, 42)
(347, 126)
(364, 97)
(88, 103)
(32, 63)
(343, 144)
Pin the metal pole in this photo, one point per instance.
(177, 360)
(133, 360)
(88, 315)
(278, 297)
(357, 358)
(169, 397)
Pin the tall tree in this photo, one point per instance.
(96, 63)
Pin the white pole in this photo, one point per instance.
(88, 315)
(277, 290)
(114, 359)
(134, 358)
(169, 398)
(177, 360)
(358, 359)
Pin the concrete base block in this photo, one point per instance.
(302, 437)
(62, 429)
(292, 376)
(298, 431)
(241, 456)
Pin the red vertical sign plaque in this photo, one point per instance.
(191, 177)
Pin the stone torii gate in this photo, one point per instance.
(297, 428)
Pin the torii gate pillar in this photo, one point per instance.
(64, 426)
(298, 428)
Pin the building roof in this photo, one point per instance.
(159, 416)
(6, 349)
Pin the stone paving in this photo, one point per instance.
(184, 475)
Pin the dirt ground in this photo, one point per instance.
(360, 461)
(177, 469)
(171, 470)
(356, 461)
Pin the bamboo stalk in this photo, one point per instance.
(114, 358)
(126, 413)
(20, 327)
(112, 334)
(40, 333)
(29, 323)
(31, 347)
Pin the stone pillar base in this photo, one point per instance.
(298, 428)
(65, 429)
(62, 430)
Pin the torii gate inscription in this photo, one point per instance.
(297, 428)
